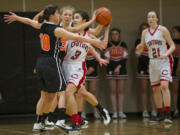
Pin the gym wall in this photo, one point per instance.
(20, 48)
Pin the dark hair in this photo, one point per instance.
(115, 29)
(177, 28)
(49, 10)
(84, 16)
(157, 15)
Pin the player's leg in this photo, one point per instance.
(72, 106)
(166, 100)
(40, 107)
(61, 109)
(50, 119)
(90, 98)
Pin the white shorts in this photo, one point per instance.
(75, 73)
(160, 69)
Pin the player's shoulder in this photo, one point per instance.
(163, 28)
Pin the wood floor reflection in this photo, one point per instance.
(117, 127)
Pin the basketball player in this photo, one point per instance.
(75, 70)
(117, 53)
(66, 13)
(47, 65)
(66, 16)
(143, 75)
(160, 47)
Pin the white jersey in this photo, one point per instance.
(76, 51)
(159, 69)
(155, 43)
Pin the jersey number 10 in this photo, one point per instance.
(45, 45)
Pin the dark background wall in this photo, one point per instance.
(19, 51)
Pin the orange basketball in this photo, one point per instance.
(103, 16)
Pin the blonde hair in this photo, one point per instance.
(67, 8)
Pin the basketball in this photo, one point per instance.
(103, 16)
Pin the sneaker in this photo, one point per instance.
(115, 115)
(156, 119)
(145, 114)
(61, 124)
(48, 123)
(167, 118)
(84, 124)
(106, 117)
(96, 115)
(75, 129)
(41, 127)
(154, 113)
(122, 115)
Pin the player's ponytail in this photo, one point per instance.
(49, 10)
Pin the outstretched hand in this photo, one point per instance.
(9, 18)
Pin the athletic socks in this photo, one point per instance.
(79, 113)
(76, 119)
(100, 108)
(168, 108)
(39, 119)
(61, 113)
(160, 110)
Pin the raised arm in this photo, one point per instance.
(12, 17)
(96, 31)
(62, 33)
(106, 36)
(81, 27)
(35, 18)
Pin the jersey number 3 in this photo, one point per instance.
(45, 44)
(77, 54)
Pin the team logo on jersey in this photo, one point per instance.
(165, 72)
(79, 44)
(154, 42)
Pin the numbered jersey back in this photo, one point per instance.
(49, 43)
(76, 51)
(155, 43)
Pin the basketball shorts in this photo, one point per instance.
(50, 75)
(160, 69)
(75, 73)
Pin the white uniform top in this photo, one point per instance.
(76, 51)
(159, 69)
(155, 43)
